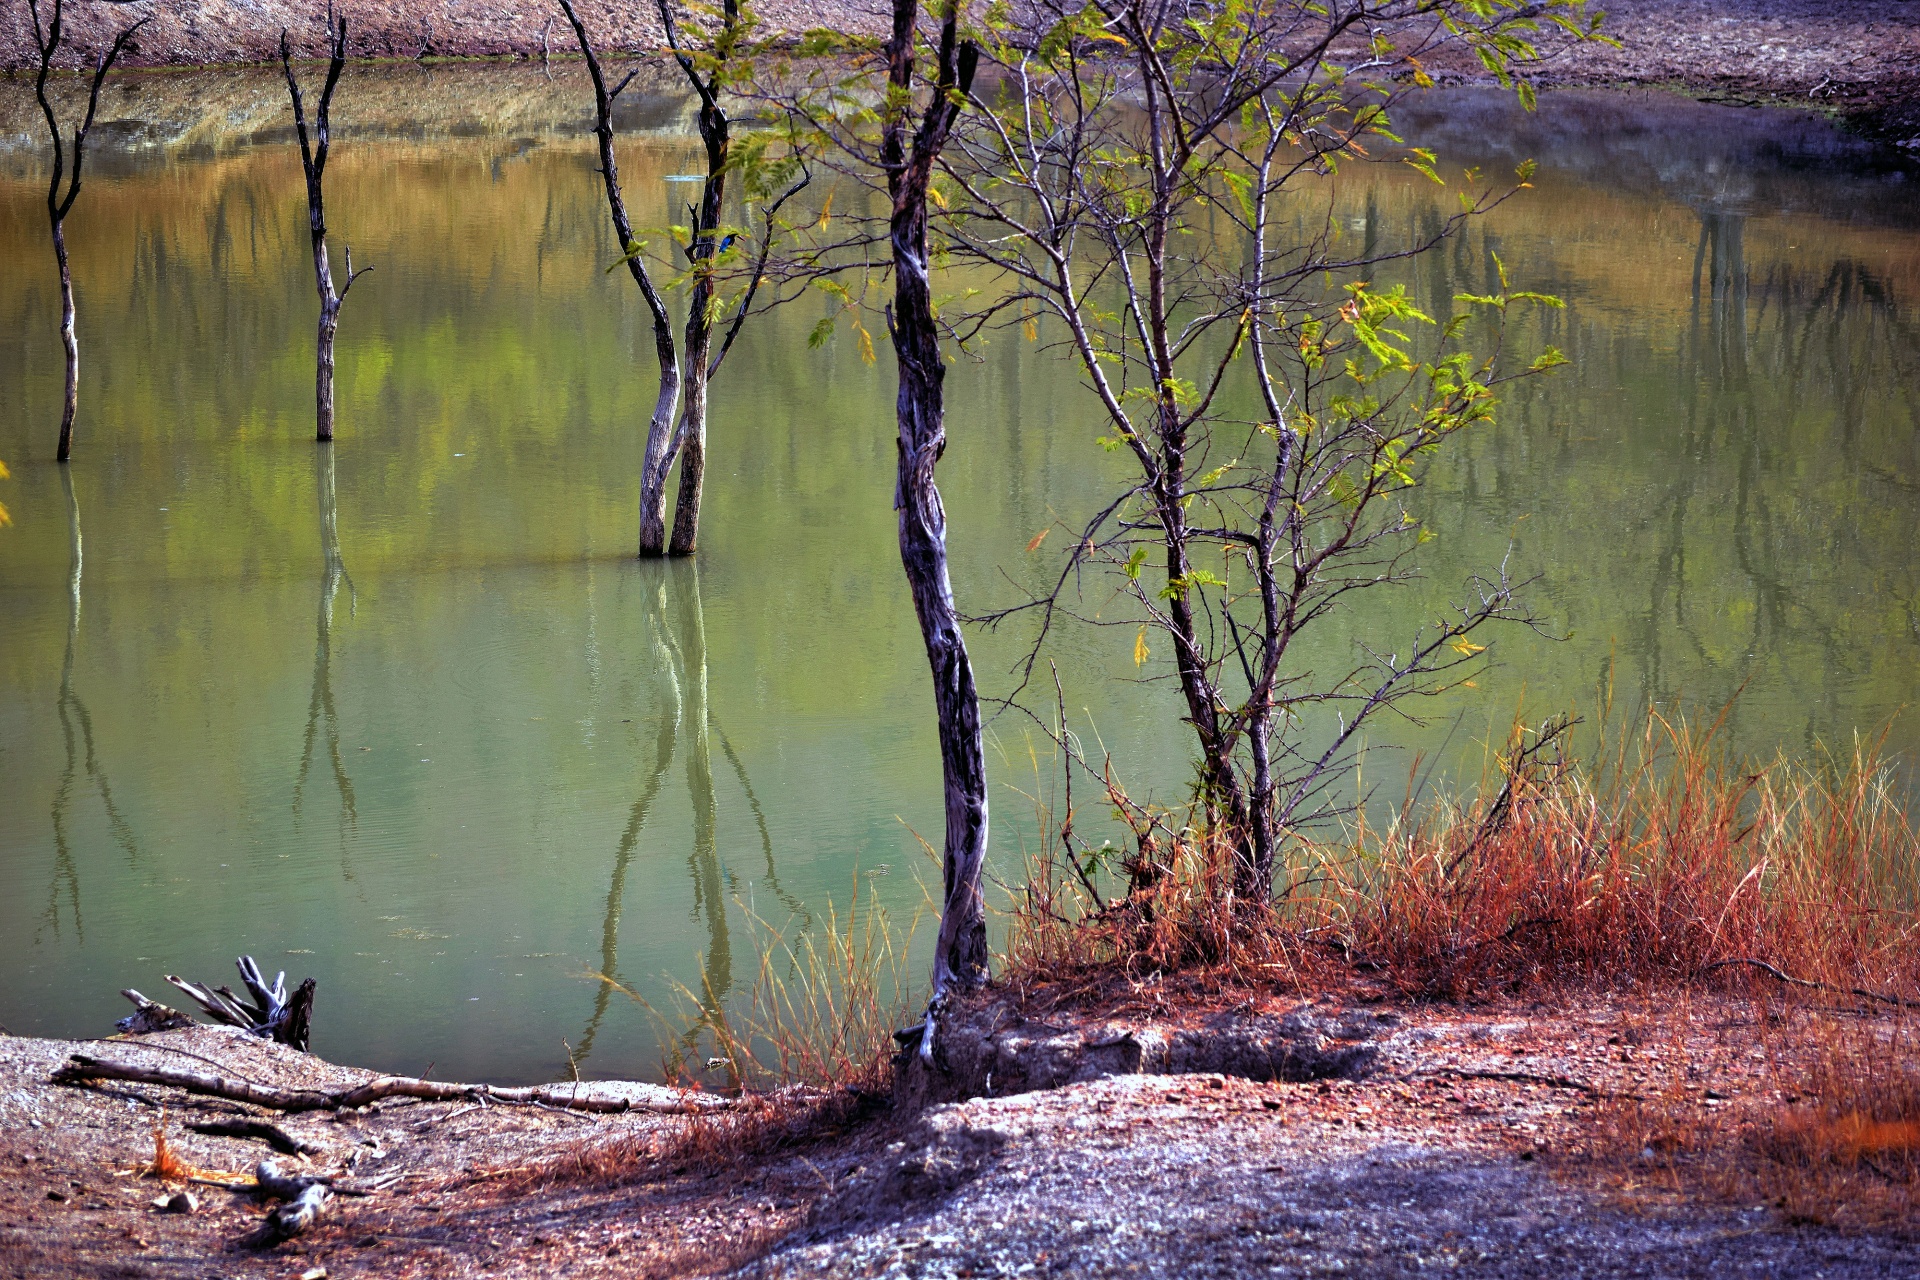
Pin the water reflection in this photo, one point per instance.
(322, 719)
(677, 634)
(80, 750)
(1718, 493)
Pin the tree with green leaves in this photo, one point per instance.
(1140, 178)
(1143, 178)
(47, 38)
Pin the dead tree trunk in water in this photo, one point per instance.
(703, 247)
(46, 41)
(659, 455)
(960, 954)
(313, 159)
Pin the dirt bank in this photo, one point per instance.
(1484, 1141)
(1860, 59)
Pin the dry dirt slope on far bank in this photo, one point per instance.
(1858, 57)
(1462, 1147)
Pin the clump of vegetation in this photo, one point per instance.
(819, 1013)
(1668, 861)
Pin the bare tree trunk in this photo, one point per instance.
(960, 953)
(323, 344)
(313, 160)
(693, 454)
(46, 42)
(69, 341)
(703, 248)
(661, 444)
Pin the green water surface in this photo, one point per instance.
(406, 715)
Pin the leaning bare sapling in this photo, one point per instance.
(313, 160)
(47, 39)
(920, 82)
(710, 71)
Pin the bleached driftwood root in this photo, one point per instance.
(306, 1199)
(82, 1068)
(149, 1016)
(272, 1014)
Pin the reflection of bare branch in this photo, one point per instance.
(704, 860)
(616, 890)
(321, 713)
(680, 656)
(787, 900)
(80, 748)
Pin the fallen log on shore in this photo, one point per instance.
(83, 1068)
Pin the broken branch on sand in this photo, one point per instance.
(82, 1069)
(306, 1199)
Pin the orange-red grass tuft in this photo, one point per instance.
(1662, 865)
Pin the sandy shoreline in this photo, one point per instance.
(1468, 1142)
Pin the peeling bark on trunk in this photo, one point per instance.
(703, 248)
(69, 341)
(960, 953)
(660, 434)
(323, 343)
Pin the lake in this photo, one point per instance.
(407, 716)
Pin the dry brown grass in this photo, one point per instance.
(1667, 868)
(807, 1054)
(1825, 1130)
(1659, 866)
(757, 1127)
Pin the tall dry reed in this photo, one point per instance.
(1668, 859)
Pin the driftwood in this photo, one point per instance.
(306, 1199)
(272, 1013)
(149, 1016)
(82, 1068)
(271, 1134)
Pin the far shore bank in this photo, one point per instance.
(1859, 61)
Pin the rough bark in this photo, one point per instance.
(273, 1014)
(660, 434)
(70, 341)
(960, 953)
(313, 161)
(47, 41)
(715, 129)
(307, 1199)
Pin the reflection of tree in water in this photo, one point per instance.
(321, 716)
(1776, 371)
(80, 748)
(680, 658)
